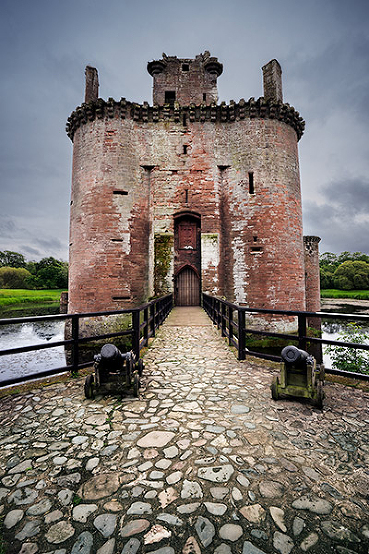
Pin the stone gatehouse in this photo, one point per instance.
(188, 195)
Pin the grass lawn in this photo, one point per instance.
(9, 297)
(355, 294)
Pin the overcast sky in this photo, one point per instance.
(322, 46)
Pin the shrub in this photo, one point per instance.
(15, 278)
(352, 275)
(350, 359)
(326, 279)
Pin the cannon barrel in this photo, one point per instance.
(110, 358)
(294, 356)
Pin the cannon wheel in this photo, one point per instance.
(274, 387)
(140, 367)
(129, 366)
(89, 386)
(322, 373)
(136, 384)
(320, 396)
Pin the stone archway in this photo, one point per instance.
(187, 287)
(187, 259)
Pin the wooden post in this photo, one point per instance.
(136, 333)
(75, 345)
(302, 331)
(230, 317)
(241, 335)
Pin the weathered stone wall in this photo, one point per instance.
(186, 81)
(109, 219)
(136, 169)
(262, 215)
(130, 179)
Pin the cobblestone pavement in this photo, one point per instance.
(203, 461)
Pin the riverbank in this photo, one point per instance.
(337, 304)
(23, 302)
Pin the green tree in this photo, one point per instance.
(350, 359)
(328, 259)
(31, 267)
(352, 257)
(352, 275)
(11, 259)
(51, 274)
(326, 278)
(15, 278)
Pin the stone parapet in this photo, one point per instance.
(223, 112)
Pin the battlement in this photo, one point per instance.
(176, 196)
(185, 80)
(260, 108)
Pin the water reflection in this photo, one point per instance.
(333, 328)
(27, 334)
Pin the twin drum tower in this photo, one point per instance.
(188, 195)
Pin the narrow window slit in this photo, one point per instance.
(251, 183)
(170, 97)
(121, 192)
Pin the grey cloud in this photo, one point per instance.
(342, 219)
(29, 239)
(7, 227)
(30, 253)
(49, 244)
(334, 79)
(349, 197)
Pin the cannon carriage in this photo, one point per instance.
(114, 373)
(300, 377)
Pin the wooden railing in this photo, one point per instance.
(231, 321)
(144, 321)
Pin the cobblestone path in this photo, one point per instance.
(203, 461)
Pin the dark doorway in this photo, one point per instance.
(187, 259)
(187, 288)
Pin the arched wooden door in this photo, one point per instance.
(187, 288)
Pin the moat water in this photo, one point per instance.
(27, 334)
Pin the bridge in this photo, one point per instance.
(203, 461)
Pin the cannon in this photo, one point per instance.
(114, 372)
(300, 377)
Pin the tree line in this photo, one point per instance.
(345, 271)
(17, 273)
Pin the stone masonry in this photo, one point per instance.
(186, 194)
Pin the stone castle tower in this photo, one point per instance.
(188, 195)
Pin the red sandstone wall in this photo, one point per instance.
(166, 167)
(108, 254)
(265, 265)
(195, 85)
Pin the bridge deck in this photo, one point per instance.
(191, 316)
(203, 461)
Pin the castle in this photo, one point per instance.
(188, 195)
